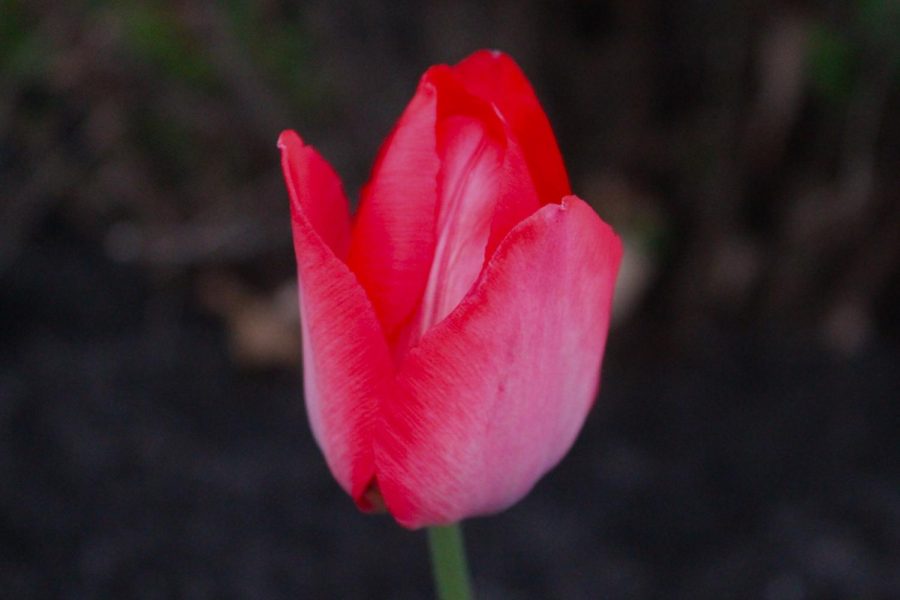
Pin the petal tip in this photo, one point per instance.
(489, 53)
(288, 138)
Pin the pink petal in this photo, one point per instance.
(393, 237)
(496, 78)
(346, 364)
(494, 395)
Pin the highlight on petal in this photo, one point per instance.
(494, 395)
(496, 78)
(346, 364)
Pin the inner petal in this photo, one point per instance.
(468, 186)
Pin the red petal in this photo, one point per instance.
(346, 365)
(313, 183)
(481, 189)
(517, 197)
(471, 145)
(393, 237)
(494, 395)
(496, 77)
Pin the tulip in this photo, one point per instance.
(453, 336)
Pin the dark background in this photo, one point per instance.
(153, 442)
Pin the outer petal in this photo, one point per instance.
(346, 365)
(496, 77)
(314, 185)
(494, 395)
(393, 237)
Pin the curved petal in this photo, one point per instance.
(449, 183)
(482, 190)
(496, 77)
(347, 369)
(517, 198)
(393, 236)
(471, 145)
(313, 183)
(494, 395)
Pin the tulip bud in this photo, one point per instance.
(452, 338)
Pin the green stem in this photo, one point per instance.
(448, 561)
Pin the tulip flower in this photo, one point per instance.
(453, 335)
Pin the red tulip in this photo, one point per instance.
(452, 340)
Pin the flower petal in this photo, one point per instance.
(471, 145)
(497, 78)
(313, 183)
(346, 364)
(517, 197)
(393, 237)
(493, 396)
(482, 190)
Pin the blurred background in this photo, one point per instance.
(153, 442)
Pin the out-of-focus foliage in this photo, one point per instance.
(745, 153)
(831, 63)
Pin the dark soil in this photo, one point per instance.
(137, 462)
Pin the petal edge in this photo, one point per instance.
(346, 365)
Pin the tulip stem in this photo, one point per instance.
(448, 561)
